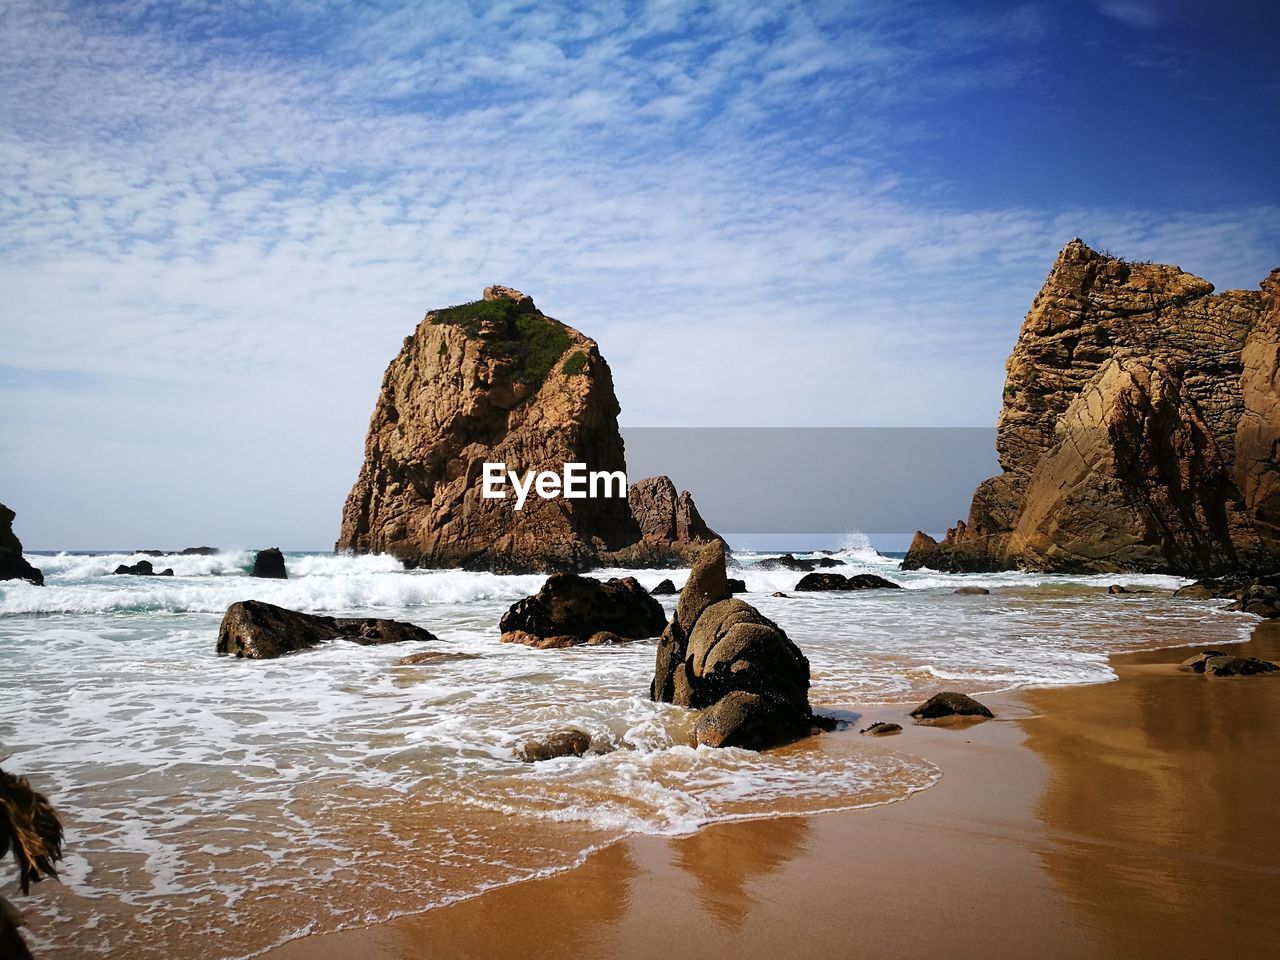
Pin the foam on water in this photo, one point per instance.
(337, 784)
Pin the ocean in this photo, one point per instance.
(217, 807)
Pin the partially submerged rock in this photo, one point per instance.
(1196, 663)
(570, 610)
(737, 586)
(143, 568)
(973, 591)
(838, 581)
(950, 704)
(269, 565)
(1226, 666)
(664, 589)
(1259, 598)
(722, 656)
(563, 743)
(13, 565)
(263, 631)
(881, 728)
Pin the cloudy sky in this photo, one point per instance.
(220, 217)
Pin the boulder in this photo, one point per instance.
(199, 551)
(1115, 588)
(263, 631)
(571, 609)
(1260, 599)
(778, 593)
(434, 656)
(13, 566)
(1225, 666)
(664, 589)
(973, 591)
(950, 704)
(737, 586)
(881, 729)
(269, 564)
(1138, 432)
(498, 381)
(722, 656)
(836, 581)
(563, 743)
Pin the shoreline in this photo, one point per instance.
(1087, 820)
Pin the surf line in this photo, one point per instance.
(574, 482)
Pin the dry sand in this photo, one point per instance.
(1131, 819)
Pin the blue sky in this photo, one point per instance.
(221, 218)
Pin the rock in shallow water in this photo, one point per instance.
(142, 568)
(570, 610)
(13, 566)
(665, 589)
(950, 704)
(723, 656)
(562, 743)
(269, 565)
(263, 631)
(973, 591)
(881, 728)
(1237, 666)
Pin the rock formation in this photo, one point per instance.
(571, 610)
(950, 704)
(269, 565)
(498, 381)
(724, 657)
(1140, 429)
(263, 631)
(13, 566)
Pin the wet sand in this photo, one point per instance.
(1132, 819)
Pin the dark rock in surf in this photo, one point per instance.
(665, 589)
(973, 591)
(815, 582)
(950, 704)
(13, 566)
(199, 552)
(143, 568)
(1260, 599)
(263, 631)
(737, 586)
(570, 610)
(269, 565)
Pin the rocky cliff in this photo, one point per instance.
(1140, 429)
(13, 565)
(498, 381)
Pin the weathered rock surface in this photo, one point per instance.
(1139, 430)
(722, 656)
(571, 610)
(143, 568)
(838, 581)
(1259, 598)
(13, 566)
(563, 743)
(498, 381)
(263, 631)
(881, 728)
(269, 565)
(1196, 663)
(950, 704)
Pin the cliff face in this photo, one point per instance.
(498, 381)
(1139, 431)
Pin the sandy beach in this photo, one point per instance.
(1126, 819)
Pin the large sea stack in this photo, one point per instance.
(1140, 430)
(13, 565)
(498, 381)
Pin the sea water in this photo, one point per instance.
(215, 807)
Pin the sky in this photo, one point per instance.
(219, 218)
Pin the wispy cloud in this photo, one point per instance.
(256, 201)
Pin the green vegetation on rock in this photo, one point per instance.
(532, 342)
(573, 366)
